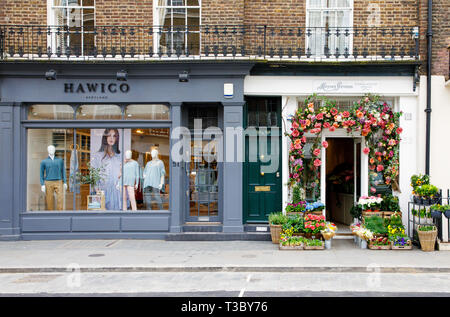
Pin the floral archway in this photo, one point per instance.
(375, 119)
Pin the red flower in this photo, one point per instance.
(345, 114)
(325, 144)
(319, 116)
(316, 152)
(366, 150)
(380, 168)
(326, 125)
(295, 133)
(317, 162)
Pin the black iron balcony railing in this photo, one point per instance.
(208, 42)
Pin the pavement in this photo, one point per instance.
(209, 256)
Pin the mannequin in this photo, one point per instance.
(130, 180)
(154, 173)
(52, 177)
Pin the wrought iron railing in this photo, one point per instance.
(208, 41)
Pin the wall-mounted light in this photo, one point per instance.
(122, 75)
(183, 77)
(50, 74)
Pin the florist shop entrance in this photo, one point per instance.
(343, 178)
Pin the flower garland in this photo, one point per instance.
(376, 121)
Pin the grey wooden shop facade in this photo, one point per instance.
(23, 84)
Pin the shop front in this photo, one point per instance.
(89, 151)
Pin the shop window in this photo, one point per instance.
(104, 169)
(147, 112)
(50, 112)
(99, 112)
(207, 114)
(72, 26)
(178, 26)
(262, 112)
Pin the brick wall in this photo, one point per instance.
(282, 16)
(441, 38)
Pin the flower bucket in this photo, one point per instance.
(328, 244)
(427, 240)
(275, 232)
(447, 214)
(363, 244)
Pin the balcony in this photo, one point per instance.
(208, 42)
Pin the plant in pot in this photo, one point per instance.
(427, 237)
(424, 216)
(276, 221)
(313, 224)
(426, 195)
(315, 207)
(377, 225)
(437, 210)
(370, 205)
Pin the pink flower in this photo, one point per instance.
(346, 114)
(332, 129)
(399, 130)
(319, 116)
(304, 139)
(295, 133)
(325, 144)
(317, 162)
(295, 125)
(297, 146)
(380, 168)
(366, 150)
(295, 175)
(316, 152)
(372, 189)
(326, 125)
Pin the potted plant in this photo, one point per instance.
(424, 216)
(313, 224)
(93, 177)
(365, 235)
(370, 205)
(376, 224)
(426, 195)
(396, 233)
(314, 208)
(437, 210)
(276, 221)
(427, 237)
(295, 224)
(390, 205)
(291, 242)
(295, 208)
(314, 244)
(379, 243)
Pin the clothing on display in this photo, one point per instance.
(111, 166)
(152, 194)
(131, 173)
(52, 170)
(52, 188)
(74, 186)
(153, 172)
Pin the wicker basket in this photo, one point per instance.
(275, 232)
(427, 239)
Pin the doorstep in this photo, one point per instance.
(218, 236)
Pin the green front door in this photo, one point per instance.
(262, 190)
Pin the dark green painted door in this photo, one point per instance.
(262, 190)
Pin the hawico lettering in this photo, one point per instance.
(103, 88)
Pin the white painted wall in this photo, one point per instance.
(401, 88)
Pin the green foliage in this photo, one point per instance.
(92, 177)
(356, 212)
(390, 203)
(419, 180)
(441, 208)
(314, 242)
(427, 228)
(395, 221)
(421, 213)
(277, 218)
(296, 194)
(376, 225)
(294, 223)
(426, 190)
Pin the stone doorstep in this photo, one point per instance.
(218, 236)
(443, 246)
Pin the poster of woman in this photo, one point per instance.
(106, 152)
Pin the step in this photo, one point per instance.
(218, 236)
(202, 227)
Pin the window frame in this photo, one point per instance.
(51, 22)
(322, 9)
(120, 124)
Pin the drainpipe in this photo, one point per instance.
(428, 109)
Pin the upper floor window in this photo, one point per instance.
(328, 20)
(177, 26)
(72, 26)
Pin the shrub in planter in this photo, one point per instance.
(296, 207)
(293, 223)
(313, 224)
(437, 211)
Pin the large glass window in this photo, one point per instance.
(178, 23)
(99, 112)
(50, 112)
(101, 169)
(147, 112)
(73, 23)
